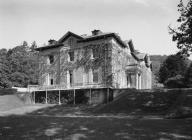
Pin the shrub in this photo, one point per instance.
(7, 91)
(175, 82)
(188, 76)
(174, 65)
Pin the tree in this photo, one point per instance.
(182, 35)
(23, 65)
(4, 70)
(18, 66)
(33, 46)
(174, 65)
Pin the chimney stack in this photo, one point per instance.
(96, 32)
(52, 41)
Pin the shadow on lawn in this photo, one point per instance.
(51, 128)
(61, 110)
(22, 127)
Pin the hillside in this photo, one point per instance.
(168, 103)
(157, 60)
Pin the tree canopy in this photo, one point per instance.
(182, 34)
(18, 66)
(4, 69)
(174, 65)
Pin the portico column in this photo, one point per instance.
(139, 81)
(107, 95)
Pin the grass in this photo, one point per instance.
(96, 128)
(127, 117)
(8, 102)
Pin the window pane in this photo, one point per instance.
(95, 76)
(71, 56)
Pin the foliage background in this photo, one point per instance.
(18, 66)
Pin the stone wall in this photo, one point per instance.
(82, 66)
(45, 68)
(121, 57)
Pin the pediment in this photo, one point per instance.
(68, 35)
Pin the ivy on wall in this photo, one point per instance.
(84, 59)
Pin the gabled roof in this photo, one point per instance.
(103, 36)
(68, 34)
(131, 46)
(59, 42)
(136, 54)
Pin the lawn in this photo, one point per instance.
(92, 128)
(127, 117)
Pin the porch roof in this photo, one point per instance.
(133, 68)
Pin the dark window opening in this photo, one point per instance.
(71, 56)
(51, 81)
(71, 77)
(51, 59)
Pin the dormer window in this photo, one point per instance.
(71, 56)
(50, 59)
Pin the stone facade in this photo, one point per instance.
(101, 60)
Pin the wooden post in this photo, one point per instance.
(107, 95)
(34, 98)
(46, 96)
(74, 97)
(59, 97)
(90, 102)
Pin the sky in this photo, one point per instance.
(144, 21)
